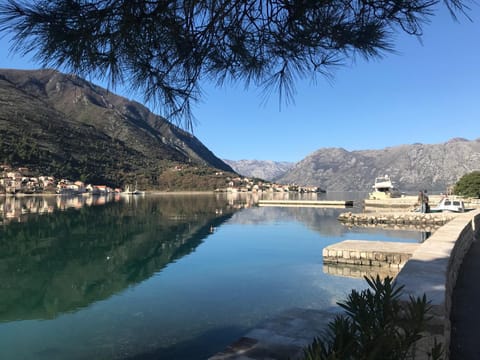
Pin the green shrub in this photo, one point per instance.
(376, 325)
(468, 185)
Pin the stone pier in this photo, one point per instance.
(307, 203)
(370, 253)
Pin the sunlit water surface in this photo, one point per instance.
(161, 277)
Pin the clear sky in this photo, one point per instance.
(429, 92)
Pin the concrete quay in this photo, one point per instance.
(390, 203)
(307, 203)
(432, 270)
(410, 202)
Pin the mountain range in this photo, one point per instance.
(413, 167)
(261, 169)
(62, 125)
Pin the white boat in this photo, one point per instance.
(452, 205)
(132, 192)
(384, 188)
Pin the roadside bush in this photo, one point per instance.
(468, 185)
(376, 325)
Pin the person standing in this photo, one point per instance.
(421, 201)
(425, 200)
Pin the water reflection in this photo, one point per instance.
(13, 208)
(253, 198)
(171, 288)
(323, 221)
(60, 262)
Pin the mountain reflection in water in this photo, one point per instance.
(60, 262)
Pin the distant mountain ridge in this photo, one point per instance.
(262, 169)
(413, 167)
(64, 125)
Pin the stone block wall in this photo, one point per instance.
(433, 270)
(355, 271)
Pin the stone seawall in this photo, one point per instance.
(403, 218)
(433, 270)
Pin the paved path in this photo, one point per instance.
(465, 337)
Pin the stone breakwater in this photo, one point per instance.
(404, 218)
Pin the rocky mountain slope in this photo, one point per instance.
(262, 169)
(413, 167)
(63, 125)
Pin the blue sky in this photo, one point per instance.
(428, 93)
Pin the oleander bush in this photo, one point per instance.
(375, 325)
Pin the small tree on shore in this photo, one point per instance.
(468, 185)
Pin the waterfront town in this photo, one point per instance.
(22, 181)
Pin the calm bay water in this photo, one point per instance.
(159, 277)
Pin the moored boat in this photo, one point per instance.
(384, 188)
(127, 191)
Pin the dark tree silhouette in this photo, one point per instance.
(164, 48)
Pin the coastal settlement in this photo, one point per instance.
(22, 181)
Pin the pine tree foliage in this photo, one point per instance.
(165, 48)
